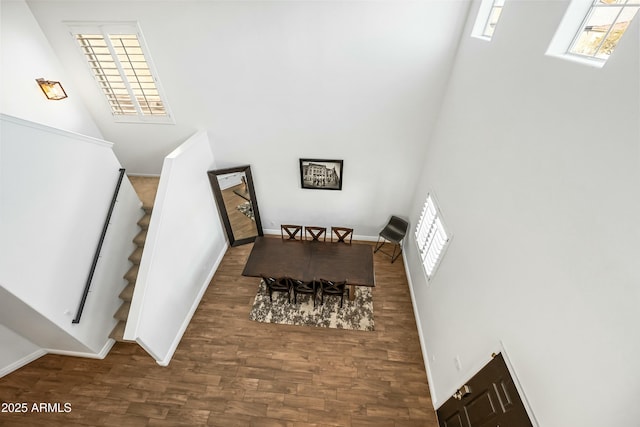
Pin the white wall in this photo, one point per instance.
(535, 164)
(184, 245)
(230, 180)
(55, 191)
(357, 81)
(275, 81)
(35, 327)
(17, 351)
(27, 55)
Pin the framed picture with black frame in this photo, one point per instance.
(321, 174)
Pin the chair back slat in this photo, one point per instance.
(307, 288)
(291, 232)
(328, 287)
(282, 284)
(315, 233)
(342, 234)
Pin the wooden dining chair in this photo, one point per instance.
(342, 234)
(307, 288)
(315, 233)
(293, 232)
(277, 285)
(329, 288)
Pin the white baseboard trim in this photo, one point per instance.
(22, 362)
(148, 349)
(425, 356)
(100, 355)
(174, 345)
(41, 352)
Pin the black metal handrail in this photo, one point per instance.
(99, 248)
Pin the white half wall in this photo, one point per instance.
(185, 243)
(535, 163)
(55, 191)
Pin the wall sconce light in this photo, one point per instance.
(52, 90)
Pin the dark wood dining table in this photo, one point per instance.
(312, 260)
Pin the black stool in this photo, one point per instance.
(393, 232)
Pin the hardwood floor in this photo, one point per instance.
(230, 371)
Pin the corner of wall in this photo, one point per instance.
(6, 370)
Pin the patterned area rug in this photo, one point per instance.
(357, 314)
(245, 208)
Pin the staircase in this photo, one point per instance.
(146, 188)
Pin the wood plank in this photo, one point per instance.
(229, 371)
(311, 260)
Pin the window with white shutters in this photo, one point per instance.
(117, 58)
(431, 236)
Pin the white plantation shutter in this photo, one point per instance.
(123, 71)
(431, 236)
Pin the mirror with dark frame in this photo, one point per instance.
(237, 203)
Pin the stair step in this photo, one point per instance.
(147, 209)
(127, 293)
(132, 274)
(123, 312)
(118, 332)
(136, 256)
(140, 238)
(144, 221)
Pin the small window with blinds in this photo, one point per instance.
(124, 73)
(431, 236)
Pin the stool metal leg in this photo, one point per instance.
(379, 245)
(394, 256)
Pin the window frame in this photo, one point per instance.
(569, 29)
(593, 6)
(485, 12)
(423, 243)
(106, 30)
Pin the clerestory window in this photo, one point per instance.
(118, 60)
(602, 28)
(487, 18)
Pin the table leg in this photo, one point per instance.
(352, 292)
